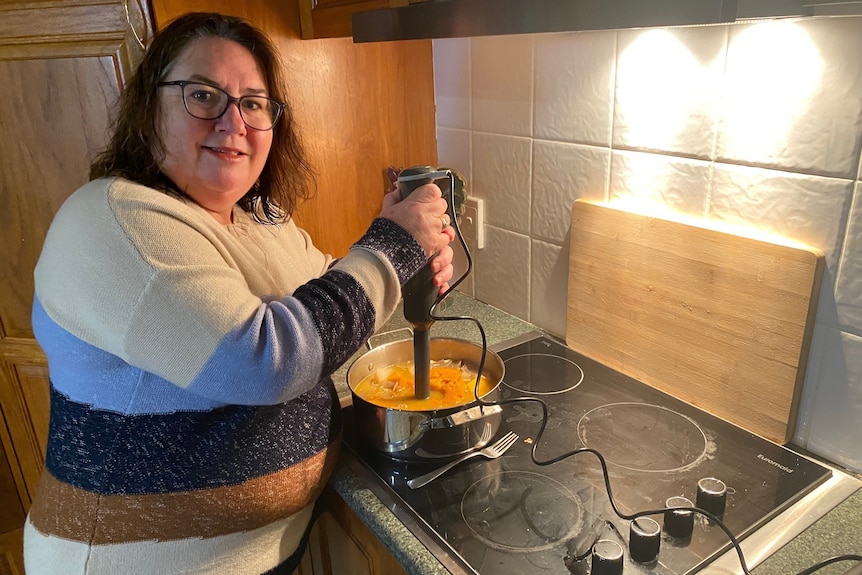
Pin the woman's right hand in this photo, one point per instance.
(422, 214)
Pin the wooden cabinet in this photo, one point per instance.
(342, 544)
(63, 65)
(332, 18)
(11, 520)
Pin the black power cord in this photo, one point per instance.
(856, 570)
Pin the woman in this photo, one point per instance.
(191, 327)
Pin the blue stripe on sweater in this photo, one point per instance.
(89, 375)
(256, 363)
(272, 357)
(111, 454)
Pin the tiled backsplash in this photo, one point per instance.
(758, 126)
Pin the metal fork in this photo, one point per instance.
(492, 451)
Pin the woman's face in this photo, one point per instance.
(215, 162)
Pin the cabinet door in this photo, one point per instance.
(11, 519)
(63, 65)
(343, 544)
(332, 18)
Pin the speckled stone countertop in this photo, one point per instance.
(838, 533)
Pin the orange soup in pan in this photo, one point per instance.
(452, 385)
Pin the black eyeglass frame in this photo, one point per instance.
(279, 106)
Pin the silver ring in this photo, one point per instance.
(444, 219)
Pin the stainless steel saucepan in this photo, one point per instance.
(434, 434)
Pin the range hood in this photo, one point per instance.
(464, 18)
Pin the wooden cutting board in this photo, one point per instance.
(720, 321)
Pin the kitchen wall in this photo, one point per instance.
(756, 126)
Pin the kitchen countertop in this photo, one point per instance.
(837, 533)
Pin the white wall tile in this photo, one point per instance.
(668, 89)
(453, 152)
(835, 426)
(502, 84)
(848, 293)
(656, 183)
(452, 82)
(813, 370)
(503, 271)
(809, 209)
(563, 173)
(501, 176)
(827, 312)
(791, 97)
(574, 87)
(459, 263)
(549, 277)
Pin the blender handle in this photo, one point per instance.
(419, 292)
(411, 178)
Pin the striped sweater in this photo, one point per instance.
(193, 420)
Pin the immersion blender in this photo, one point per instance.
(420, 293)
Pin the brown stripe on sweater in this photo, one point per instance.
(70, 512)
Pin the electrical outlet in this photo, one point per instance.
(472, 222)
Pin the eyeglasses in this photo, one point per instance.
(207, 102)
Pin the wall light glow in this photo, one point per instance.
(659, 83)
(774, 70)
(645, 207)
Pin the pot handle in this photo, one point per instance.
(461, 417)
(386, 333)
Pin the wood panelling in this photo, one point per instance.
(333, 18)
(24, 396)
(12, 553)
(12, 516)
(344, 545)
(55, 95)
(360, 108)
(11, 520)
(62, 64)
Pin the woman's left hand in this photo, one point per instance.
(441, 264)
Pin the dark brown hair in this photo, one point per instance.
(135, 148)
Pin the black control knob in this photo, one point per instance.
(712, 495)
(678, 524)
(644, 540)
(607, 558)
